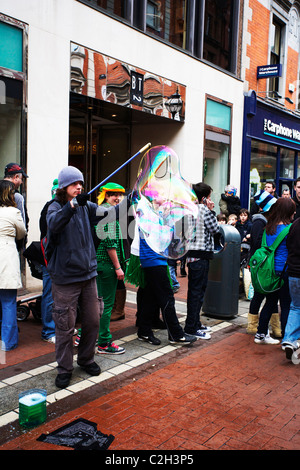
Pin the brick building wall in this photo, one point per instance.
(259, 16)
(257, 49)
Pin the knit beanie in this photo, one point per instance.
(114, 187)
(69, 175)
(231, 190)
(264, 200)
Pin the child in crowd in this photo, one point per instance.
(243, 226)
(232, 220)
(221, 218)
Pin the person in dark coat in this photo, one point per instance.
(73, 271)
(296, 197)
(292, 330)
(264, 201)
(230, 202)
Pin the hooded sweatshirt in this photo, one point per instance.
(74, 258)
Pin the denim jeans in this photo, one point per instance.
(270, 307)
(197, 283)
(292, 330)
(48, 329)
(9, 327)
(175, 283)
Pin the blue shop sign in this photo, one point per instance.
(267, 71)
(275, 128)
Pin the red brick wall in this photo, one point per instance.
(291, 76)
(257, 50)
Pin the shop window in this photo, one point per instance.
(215, 171)
(218, 115)
(262, 164)
(13, 40)
(11, 47)
(217, 147)
(10, 122)
(287, 162)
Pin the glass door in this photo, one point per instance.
(97, 148)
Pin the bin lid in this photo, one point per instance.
(230, 234)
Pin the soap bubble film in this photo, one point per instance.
(164, 203)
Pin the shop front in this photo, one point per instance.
(271, 148)
(109, 101)
(13, 107)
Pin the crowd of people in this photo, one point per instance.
(270, 214)
(91, 260)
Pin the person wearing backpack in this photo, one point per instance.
(264, 201)
(48, 330)
(280, 217)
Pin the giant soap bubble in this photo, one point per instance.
(164, 203)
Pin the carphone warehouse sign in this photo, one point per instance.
(281, 131)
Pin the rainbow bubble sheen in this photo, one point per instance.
(164, 203)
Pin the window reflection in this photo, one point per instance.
(262, 164)
(167, 19)
(218, 30)
(115, 7)
(287, 158)
(216, 168)
(207, 28)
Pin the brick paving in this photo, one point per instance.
(224, 394)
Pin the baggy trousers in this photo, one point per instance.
(65, 301)
(107, 285)
(158, 292)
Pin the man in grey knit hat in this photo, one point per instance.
(73, 270)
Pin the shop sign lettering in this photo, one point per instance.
(136, 88)
(280, 131)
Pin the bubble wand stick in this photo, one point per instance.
(143, 149)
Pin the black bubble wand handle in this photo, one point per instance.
(143, 149)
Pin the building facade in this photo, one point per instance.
(271, 140)
(90, 82)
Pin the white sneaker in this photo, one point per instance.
(289, 349)
(296, 346)
(265, 339)
(205, 328)
(200, 334)
(50, 340)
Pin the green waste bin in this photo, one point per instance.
(222, 293)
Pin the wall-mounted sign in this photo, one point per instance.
(281, 131)
(274, 126)
(136, 88)
(267, 71)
